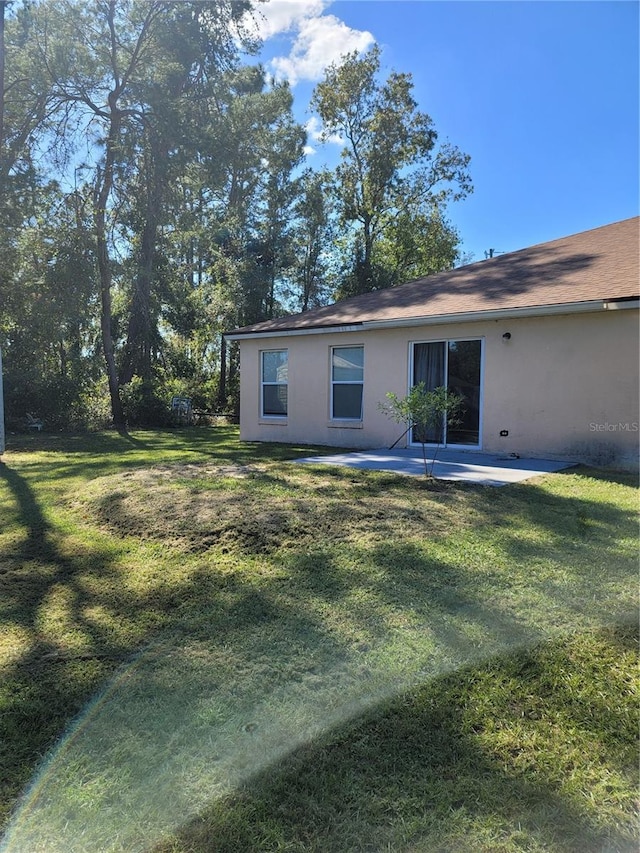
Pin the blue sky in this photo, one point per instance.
(542, 95)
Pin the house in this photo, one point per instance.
(543, 344)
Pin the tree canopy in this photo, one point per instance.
(392, 174)
(154, 193)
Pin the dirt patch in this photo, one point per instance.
(193, 471)
(257, 509)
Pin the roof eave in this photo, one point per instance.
(440, 319)
(287, 333)
(504, 313)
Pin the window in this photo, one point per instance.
(273, 380)
(347, 378)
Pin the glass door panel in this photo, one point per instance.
(463, 378)
(455, 365)
(429, 365)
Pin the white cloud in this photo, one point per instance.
(283, 16)
(321, 40)
(317, 39)
(314, 130)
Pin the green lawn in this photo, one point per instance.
(204, 647)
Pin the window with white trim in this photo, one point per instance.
(347, 382)
(274, 378)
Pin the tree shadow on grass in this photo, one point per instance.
(427, 771)
(214, 442)
(49, 680)
(36, 566)
(258, 646)
(95, 454)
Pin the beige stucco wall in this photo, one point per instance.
(562, 386)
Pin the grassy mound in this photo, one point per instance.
(259, 508)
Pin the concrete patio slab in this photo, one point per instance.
(465, 466)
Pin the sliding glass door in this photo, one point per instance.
(456, 365)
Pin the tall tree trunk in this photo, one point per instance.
(104, 184)
(366, 273)
(3, 6)
(138, 349)
(137, 353)
(105, 328)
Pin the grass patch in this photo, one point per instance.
(513, 754)
(264, 656)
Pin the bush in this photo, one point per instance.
(143, 405)
(66, 404)
(53, 399)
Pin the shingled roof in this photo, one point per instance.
(596, 265)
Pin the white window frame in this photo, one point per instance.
(335, 382)
(271, 384)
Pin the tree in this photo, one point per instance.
(92, 85)
(24, 102)
(48, 308)
(117, 72)
(313, 234)
(425, 412)
(26, 99)
(3, 8)
(249, 147)
(285, 151)
(415, 245)
(191, 52)
(390, 167)
(188, 212)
